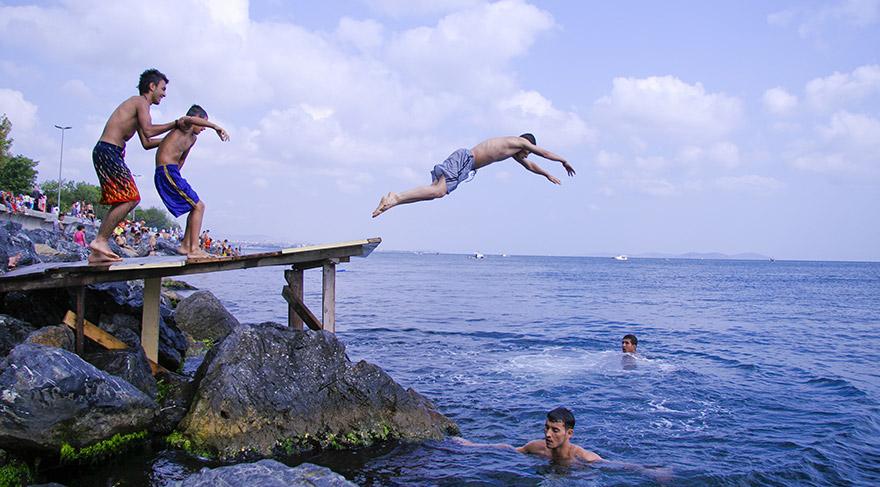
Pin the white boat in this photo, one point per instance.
(478, 255)
(621, 257)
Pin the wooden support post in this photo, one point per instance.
(294, 278)
(104, 339)
(328, 297)
(308, 317)
(80, 317)
(150, 321)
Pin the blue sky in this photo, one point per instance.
(693, 126)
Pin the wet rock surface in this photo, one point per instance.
(267, 473)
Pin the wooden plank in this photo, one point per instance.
(80, 314)
(328, 297)
(94, 333)
(80, 274)
(300, 307)
(104, 339)
(294, 278)
(150, 322)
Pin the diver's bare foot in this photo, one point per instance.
(388, 201)
(200, 255)
(183, 250)
(101, 253)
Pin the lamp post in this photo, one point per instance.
(60, 162)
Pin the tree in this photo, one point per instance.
(17, 173)
(156, 218)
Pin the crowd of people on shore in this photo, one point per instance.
(36, 200)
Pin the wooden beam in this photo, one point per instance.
(150, 322)
(328, 297)
(300, 307)
(294, 278)
(70, 274)
(80, 317)
(104, 339)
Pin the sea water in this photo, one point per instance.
(747, 373)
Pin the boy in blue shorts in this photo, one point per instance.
(175, 192)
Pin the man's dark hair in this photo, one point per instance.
(197, 111)
(150, 76)
(530, 138)
(632, 339)
(562, 415)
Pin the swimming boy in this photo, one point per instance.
(117, 184)
(463, 164)
(556, 445)
(175, 192)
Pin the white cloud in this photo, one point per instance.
(530, 111)
(750, 182)
(811, 21)
(779, 102)
(855, 131)
(665, 105)
(849, 142)
(22, 113)
(724, 154)
(365, 35)
(840, 88)
(409, 8)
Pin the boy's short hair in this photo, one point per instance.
(150, 76)
(80, 226)
(530, 138)
(632, 339)
(197, 111)
(562, 415)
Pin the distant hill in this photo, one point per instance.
(705, 255)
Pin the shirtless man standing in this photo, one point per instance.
(118, 189)
(459, 166)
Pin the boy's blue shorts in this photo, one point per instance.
(175, 192)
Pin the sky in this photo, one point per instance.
(693, 126)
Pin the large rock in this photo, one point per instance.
(175, 396)
(270, 390)
(15, 242)
(267, 473)
(12, 332)
(131, 365)
(60, 336)
(51, 397)
(203, 316)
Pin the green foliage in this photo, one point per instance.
(177, 440)
(74, 191)
(155, 217)
(17, 173)
(162, 390)
(15, 474)
(332, 441)
(100, 450)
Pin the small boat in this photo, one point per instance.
(478, 255)
(621, 257)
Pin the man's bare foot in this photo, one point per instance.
(200, 254)
(388, 201)
(183, 250)
(101, 253)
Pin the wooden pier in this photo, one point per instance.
(77, 275)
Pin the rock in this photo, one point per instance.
(203, 316)
(12, 332)
(53, 304)
(15, 242)
(270, 390)
(60, 336)
(51, 397)
(166, 247)
(168, 283)
(175, 396)
(130, 364)
(267, 473)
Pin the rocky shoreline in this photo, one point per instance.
(262, 391)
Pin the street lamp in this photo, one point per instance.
(60, 162)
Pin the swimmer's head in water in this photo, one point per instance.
(559, 427)
(629, 344)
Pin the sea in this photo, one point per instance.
(747, 372)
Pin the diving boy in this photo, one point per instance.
(174, 191)
(464, 163)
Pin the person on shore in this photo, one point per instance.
(79, 236)
(118, 189)
(463, 164)
(174, 191)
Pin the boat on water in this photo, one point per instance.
(478, 255)
(621, 257)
